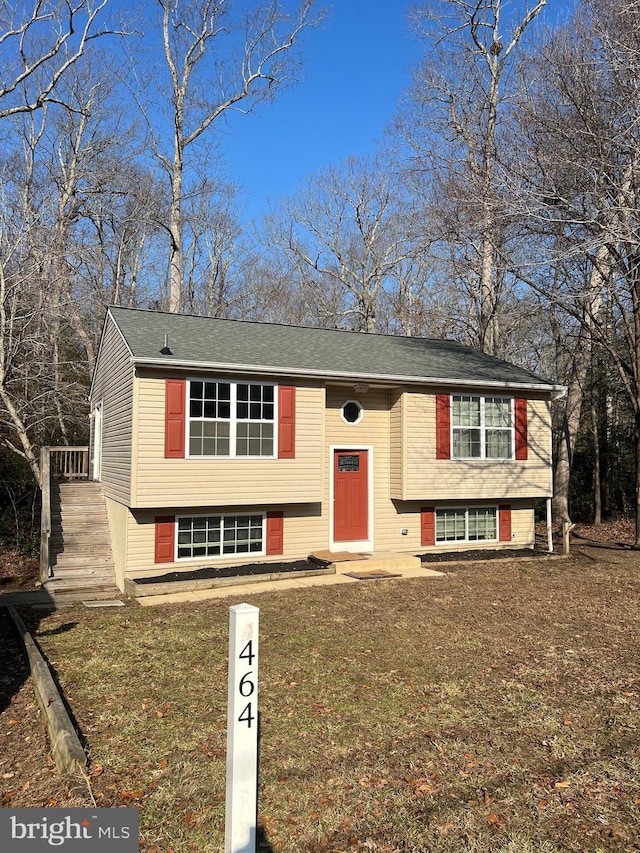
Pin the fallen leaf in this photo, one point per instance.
(563, 784)
(494, 819)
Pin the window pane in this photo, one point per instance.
(498, 444)
(466, 411)
(450, 525)
(242, 392)
(482, 524)
(497, 412)
(243, 410)
(466, 443)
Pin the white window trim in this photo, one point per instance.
(360, 414)
(483, 429)
(221, 556)
(466, 509)
(233, 420)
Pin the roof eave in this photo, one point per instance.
(387, 378)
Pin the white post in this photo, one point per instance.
(549, 526)
(242, 731)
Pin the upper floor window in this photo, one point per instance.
(231, 418)
(482, 427)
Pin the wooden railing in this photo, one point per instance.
(69, 463)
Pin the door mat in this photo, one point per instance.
(372, 574)
(327, 557)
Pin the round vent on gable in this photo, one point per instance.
(352, 412)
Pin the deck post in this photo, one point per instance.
(45, 512)
(549, 526)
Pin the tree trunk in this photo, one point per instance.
(570, 426)
(597, 488)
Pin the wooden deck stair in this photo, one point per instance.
(80, 544)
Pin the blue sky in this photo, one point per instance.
(357, 64)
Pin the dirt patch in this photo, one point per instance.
(18, 572)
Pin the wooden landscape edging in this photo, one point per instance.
(68, 754)
(139, 590)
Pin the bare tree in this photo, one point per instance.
(214, 64)
(346, 238)
(452, 127)
(39, 43)
(583, 115)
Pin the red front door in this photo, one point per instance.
(350, 496)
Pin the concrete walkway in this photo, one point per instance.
(402, 566)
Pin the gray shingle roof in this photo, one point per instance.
(295, 350)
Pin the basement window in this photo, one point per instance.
(217, 535)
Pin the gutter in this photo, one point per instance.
(556, 391)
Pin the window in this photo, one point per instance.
(482, 427)
(231, 418)
(352, 412)
(217, 535)
(468, 524)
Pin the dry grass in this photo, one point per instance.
(494, 709)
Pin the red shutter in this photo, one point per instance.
(286, 422)
(504, 522)
(165, 533)
(275, 532)
(174, 418)
(443, 426)
(428, 525)
(520, 410)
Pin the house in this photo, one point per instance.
(222, 442)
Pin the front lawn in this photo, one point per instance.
(493, 709)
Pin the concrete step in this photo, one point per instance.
(386, 561)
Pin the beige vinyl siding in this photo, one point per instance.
(426, 478)
(221, 482)
(113, 385)
(396, 445)
(304, 531)
(118, 515)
